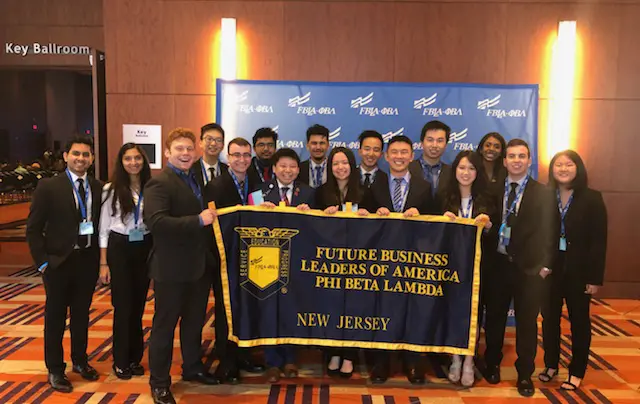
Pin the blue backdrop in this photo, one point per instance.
(290, 107)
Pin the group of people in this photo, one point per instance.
(541, 245)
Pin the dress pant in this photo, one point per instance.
(505, 282)
(129, 286)
(570, 287)
(187, 302)
(70, 285)
(278, 356)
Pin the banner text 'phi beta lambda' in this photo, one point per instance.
(306, 278)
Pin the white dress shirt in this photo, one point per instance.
(312, 172)
(206, 166)
(113, 223)
(289, 191)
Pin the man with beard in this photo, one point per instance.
(314, 171)
(264, 143)
(434, 138)
(209, 166)
(370, 151)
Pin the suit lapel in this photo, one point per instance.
(382, 194)
(69, 195)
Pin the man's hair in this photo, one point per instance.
(265, 132)
(317, 130)
(370, 134)
(435, 125)
(285, 152)
(178, 133)
(239, 141)
(79, 139)
(519, 142)
(400, 138)
(209, 127)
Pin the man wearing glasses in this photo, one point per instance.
(264, 143)
(209, 166)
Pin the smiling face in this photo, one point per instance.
(399, 156)
(239, 158)
(466, 172)
(564, 170)
(212, 143)
(265, 147)
(370, 152)
(132, 161)
(286, 170)
(181, 153)
(79, 158)
(517, 161)
(318, 146)
(434, 143)
(491, 149)
(340, 167)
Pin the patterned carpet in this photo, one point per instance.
(613, 375)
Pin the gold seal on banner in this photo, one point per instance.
(264, 259)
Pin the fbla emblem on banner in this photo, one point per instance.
(264, 260)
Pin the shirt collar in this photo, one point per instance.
(281, 185)
(74, 177)
(314, 164)
(207, 166)
(406, 177)
(178, 171)
(519, 182)
(424, 162)
(372, 172)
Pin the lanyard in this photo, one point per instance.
(82, 204)
(244, 193)
(563, 211)
(514, 204)
(467, 213)
(255, 164)
(136, 212)
(205, 176)
(428, 169)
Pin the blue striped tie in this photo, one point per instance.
(397, 195)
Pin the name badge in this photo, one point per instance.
(86, 229)
(505, 235)
(354, 207)
(563, 244)
(136, 235)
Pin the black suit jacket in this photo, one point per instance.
(419, 196)
(180, 250)
(304, 172)
(196, 169)
(586, 233)
(254, 176)
(534, 238)
(415, 168)
(302, 193)
(224, 193)
(53, 222)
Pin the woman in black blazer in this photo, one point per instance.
(467, 195)
(342, 186)
(578, 271)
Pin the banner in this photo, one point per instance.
(471, 110)
(306, 278)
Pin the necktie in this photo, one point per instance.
(212, 173)
(283, 195)
(367, 180)
(397, 194)
(510, 199)
(83, 241)
(318, 180)
(266, 174)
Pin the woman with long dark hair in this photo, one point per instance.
(578, 271)
(492, 148)
(125, 243)
(466, 195)
(342, 186)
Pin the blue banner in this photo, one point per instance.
(307, 278)
(471, 110)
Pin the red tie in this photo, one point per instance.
(266, 175)
(283, 193)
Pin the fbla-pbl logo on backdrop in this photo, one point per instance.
(425, 104)
(264, 260)
(370, 110)
(300, 102)
(387, 136)
(488, 104)
(456, 137)
(250, 108)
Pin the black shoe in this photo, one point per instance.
(202, 378)
(492, 374)
(162, 395)
(59, 382)
(124, 374)
(525, 387)
(379, 374)
(248, 365)
(136, 369)
(227, 374)
(415, 375)
(87, 372)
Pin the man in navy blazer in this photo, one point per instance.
(285, 188)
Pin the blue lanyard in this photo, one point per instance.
(244, 193)
(136, 212)
(255, 164)
(82, 204)
(563, 211)
(512, 208)
(428, 169)
(467, 213)
(205, 176)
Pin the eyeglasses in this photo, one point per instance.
(265, 146)
(210, 140)
(240, 155)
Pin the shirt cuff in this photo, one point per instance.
(43, 267)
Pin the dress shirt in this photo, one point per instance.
(114, 223)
